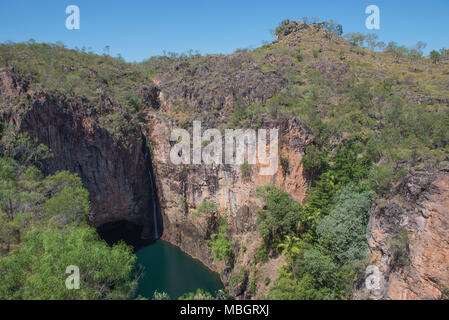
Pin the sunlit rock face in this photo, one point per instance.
(421, 210)
(182, 188)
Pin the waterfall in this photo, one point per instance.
(153, 191)
(153, 195)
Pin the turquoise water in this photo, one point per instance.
(168, 269)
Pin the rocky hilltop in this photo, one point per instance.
(322, 92)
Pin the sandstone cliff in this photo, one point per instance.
(408, 237)
(181, 189)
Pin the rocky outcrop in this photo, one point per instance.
(217, 83)
(409, 242)
(291, 26)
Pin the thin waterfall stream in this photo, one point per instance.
(153, 195)
(153, 206)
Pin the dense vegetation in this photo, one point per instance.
(324, 240)
(43, 230)
(221, 244)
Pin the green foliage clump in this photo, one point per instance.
(435, 56)
(400, 250)
(333, 29)
(206, 207)
(341, 167)
(287, 287)
(245, 169)
(342, 231)
(284, 164)
(267, 281)
(356, 38)
(160, 296)
(200, 294)
(43, 230)
(262, 253)
(279, 217)
(324, 240)
(239, 278)
(70, 204)
(220, 243)
(324, 265)
(37, 269)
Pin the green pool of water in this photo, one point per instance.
(168, 269)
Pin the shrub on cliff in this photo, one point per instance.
(343, 231)
(279, 217)
(207, 207)
(400, 250)
(221, 244)
(200, 294)
(245, 169)
(323, 264)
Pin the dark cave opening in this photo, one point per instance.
(150, 227)
(127, 231)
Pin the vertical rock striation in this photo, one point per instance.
(409, 242)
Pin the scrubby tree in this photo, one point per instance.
(280, 216)
(343, 231)
(200, 294)
(356, 38)
(435, 56)
(37, 270)
(371, 40)
(220, 243)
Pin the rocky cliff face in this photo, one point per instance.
(181, 189)
(115, 175)
(212, 89)
(408, 237)
(117, 180)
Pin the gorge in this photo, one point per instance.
(349, 120)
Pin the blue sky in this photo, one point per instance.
(140, 29)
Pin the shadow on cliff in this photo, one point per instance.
(117, 175)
